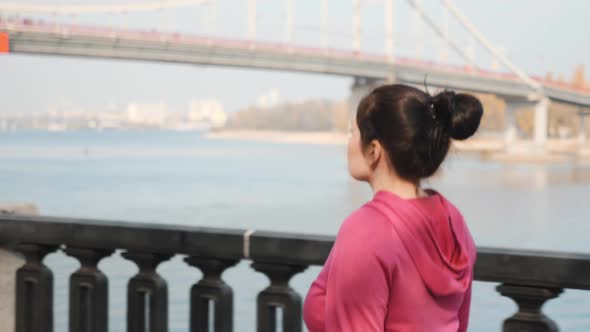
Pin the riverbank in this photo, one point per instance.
(272, 136)
(491, 148)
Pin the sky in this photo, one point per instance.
(539, 36)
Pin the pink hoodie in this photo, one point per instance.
(397, 265)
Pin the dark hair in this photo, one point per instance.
(415, 128)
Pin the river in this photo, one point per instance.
(184, 178)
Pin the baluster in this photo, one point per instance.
(278, 295)
(34, 290)
(529, 317)
(88, 292)
(147, 294)
(211, 288)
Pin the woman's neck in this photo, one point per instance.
(392, 183)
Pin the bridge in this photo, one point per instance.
(29, 36)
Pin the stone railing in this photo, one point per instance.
(529, 278)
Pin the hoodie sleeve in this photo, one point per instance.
(357, 290)
(465, 306)
(464, 310)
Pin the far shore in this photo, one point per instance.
(276, 136)
(475, 144)
(489, 147)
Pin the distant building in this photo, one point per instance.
(579, 79)
(268, 100)
(147, 114)
(208, 112)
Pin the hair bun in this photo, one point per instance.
(459, 113)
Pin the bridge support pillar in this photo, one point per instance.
(582, 150)
(541, 123)
(510, 126)
(582, 128)
(540, 126)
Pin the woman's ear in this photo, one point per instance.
(375, 153)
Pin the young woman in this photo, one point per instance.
(404, 261)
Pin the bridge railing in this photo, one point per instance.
(529, 278)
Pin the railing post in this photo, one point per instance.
(529, 317)
(147, 294)
(10, 262)
(88, 292)
(278, 295)
(211, 289)
(34, 290)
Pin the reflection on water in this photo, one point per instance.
(540, 177)
(536, 176)
(181, 178)
(580, 174)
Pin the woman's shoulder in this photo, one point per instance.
(363, 218)
(367, 227)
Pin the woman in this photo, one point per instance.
(404, 261)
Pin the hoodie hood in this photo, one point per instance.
(434, 233)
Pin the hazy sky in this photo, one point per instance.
(538, 35)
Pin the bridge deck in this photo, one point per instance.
(67, 40)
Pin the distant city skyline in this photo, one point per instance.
(201, 114)
(539, 36)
